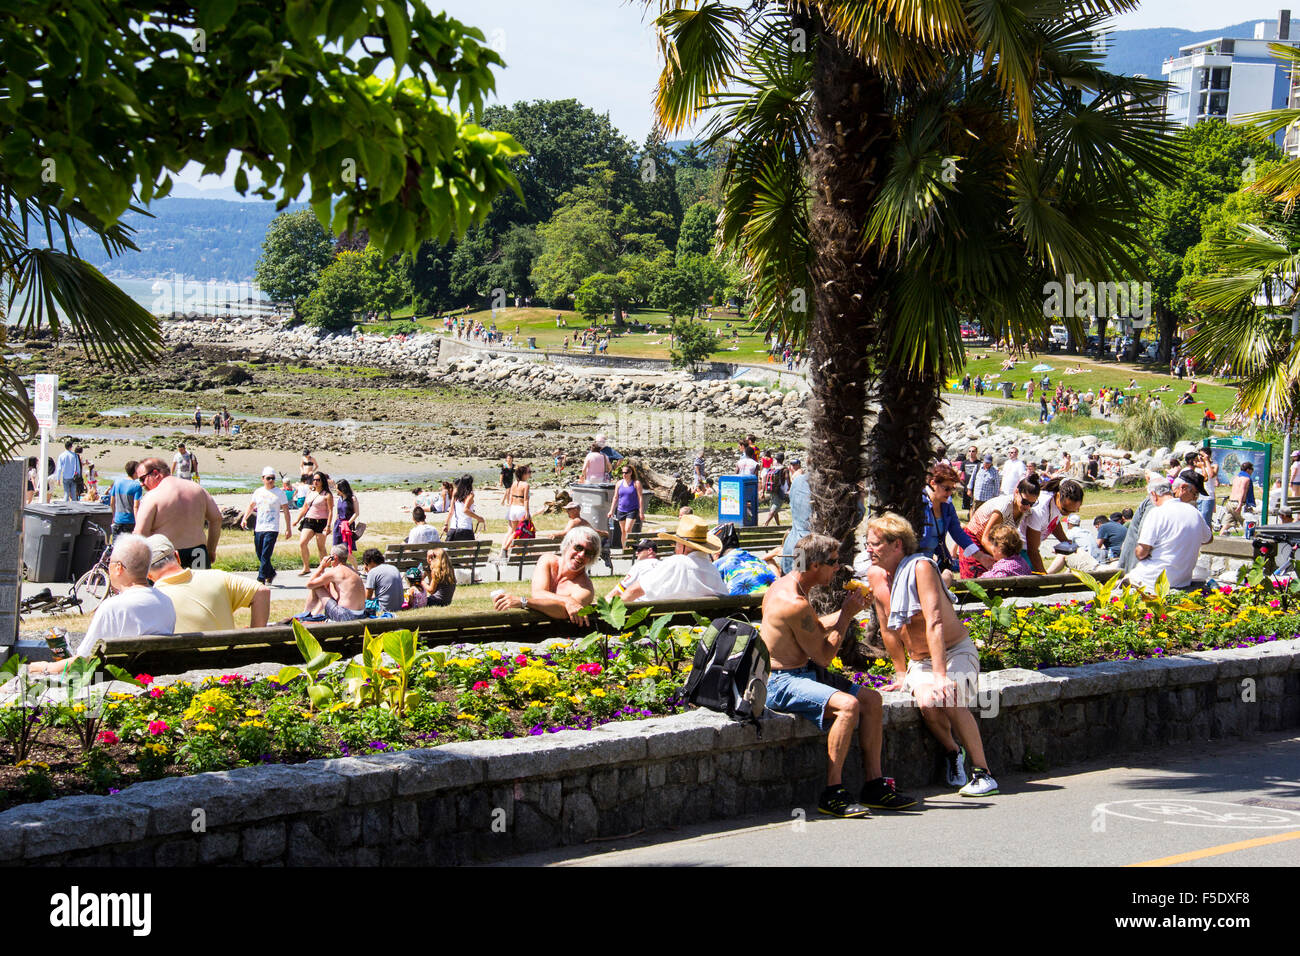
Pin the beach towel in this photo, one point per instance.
(904, 598)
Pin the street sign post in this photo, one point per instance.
(46, 407)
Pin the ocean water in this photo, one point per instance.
(167, 294)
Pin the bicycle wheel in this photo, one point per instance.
(94, 583)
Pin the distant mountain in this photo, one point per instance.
(198, 238)
(224, 193)
(1143, 51)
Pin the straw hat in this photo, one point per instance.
(693, 531)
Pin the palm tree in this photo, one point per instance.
(911, 163)
(56, 288)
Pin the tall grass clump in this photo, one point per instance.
(1145, 425)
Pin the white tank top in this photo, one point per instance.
(459, 520)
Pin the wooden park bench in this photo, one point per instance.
(219, 650)
(461, 554)
(524, 553)
(760, 539)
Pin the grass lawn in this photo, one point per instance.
(1096, 375)
(540, 324)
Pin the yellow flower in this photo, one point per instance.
(78, 708)
(202, 728)
(158, 749)
(575, 698)
(252, 713)
(253, 723)
(466, 717)
(503, 707)
(495, 655)
(880, 662)
(598, 692)
(34, 764)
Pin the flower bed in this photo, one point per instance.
(399, 696)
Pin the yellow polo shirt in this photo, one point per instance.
(207, 600)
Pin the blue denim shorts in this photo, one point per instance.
(799, 692)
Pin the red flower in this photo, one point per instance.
(107, 737)
(481, 686)
(157, 727)
(521, 660)
(156, 692)
(145, 679)
(499, 672)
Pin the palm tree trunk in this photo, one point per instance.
(851, 130)
(902, 440)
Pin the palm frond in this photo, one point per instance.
(17, 421)
(700, 51)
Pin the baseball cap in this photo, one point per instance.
(1189, 478)
(572, 505)
(160, 548)
(268, 472)
(645, 544)
(989, 459)
(795, 461)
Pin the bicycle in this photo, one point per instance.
(95, 582)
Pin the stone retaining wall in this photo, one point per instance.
(492, 799)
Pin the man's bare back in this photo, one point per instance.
(178, 509)
(930, 590)
(345, 585)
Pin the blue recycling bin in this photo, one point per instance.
(738, 500)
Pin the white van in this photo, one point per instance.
(1060, 335)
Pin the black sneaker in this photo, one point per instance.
(836, 802)
(881, 795)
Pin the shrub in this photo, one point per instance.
(1145, 425)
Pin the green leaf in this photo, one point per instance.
(320, 694)
(321, 661)
(124, 676)
(308, 646)
(288, 675)
(398, 31)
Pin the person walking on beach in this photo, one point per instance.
(270, 503)
(518, 502)
(316, 516)
(461, 519)
(628, 506)
(347, 513)
(198, 420)
(185, 465)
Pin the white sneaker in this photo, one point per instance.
(955, 767)
(981, 785)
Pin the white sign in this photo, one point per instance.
(47, 401)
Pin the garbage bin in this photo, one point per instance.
(50, 534)
(1008, 390)
(738, 500)
(532, 341)
(85, 552)
(594, 500)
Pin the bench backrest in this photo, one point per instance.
(461, 554)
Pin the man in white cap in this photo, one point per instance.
(1171, 537)
(135, 609)
(205, 599)
(270, 503)
(576, 520)
(689, 572)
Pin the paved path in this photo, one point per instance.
(1232, 803)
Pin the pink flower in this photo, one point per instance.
(499, 672)
(145, 679)
(157, 727)
(1275, 603)
(107, 737)
(481, 686)
(231, 679)
(592, 669)
(1226, 589)
(156, 692)
(521, 660)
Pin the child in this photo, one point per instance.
(1010, 562)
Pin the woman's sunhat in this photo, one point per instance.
(693, 531)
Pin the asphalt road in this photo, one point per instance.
(1233, 803)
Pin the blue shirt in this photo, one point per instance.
(67, 467)
(1250, 488)
(123, 492)
(931, 541)
(800, 518)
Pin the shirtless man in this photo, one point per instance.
(576, 520)
(338, 592)
(561, 587)
(944, 671)
(178, 509)
(801, 645)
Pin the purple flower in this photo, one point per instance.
(343, 748)
(113, 790)
(536, 730)
(377, 745)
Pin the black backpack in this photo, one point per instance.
(729, 672)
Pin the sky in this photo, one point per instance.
(603, 52)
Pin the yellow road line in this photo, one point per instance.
(1220, 850)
